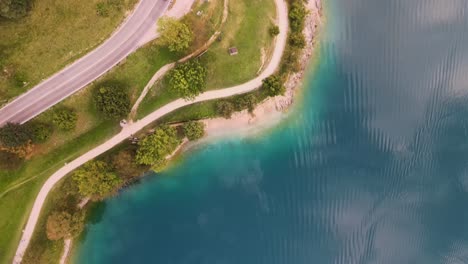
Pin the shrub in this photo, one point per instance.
(194, 130)
(273, 85)
(62, 225)
(225, 109)
(274, 31)
(188, 79)
(95, 179)
(174, 34)
(153, 149)
(125, 164)
(297, 14)
(297, 40)
(13, 9)
(65, 119)
(14, 135)
(112, 100)
(248, 102)
(41, 132)
(102, 9)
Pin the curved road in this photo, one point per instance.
(82, 72)
(133, 128)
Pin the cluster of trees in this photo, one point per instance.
(13, 9)
(273, 85)
(154, 149)
(17, 140)
(188, 79)
(194, 130)
(112, 100)
(226, 108)
(64, 225)
(297, 15)
(174, 34)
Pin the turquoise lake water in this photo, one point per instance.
(372, 167)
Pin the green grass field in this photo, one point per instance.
(247, 29)
(54, 34)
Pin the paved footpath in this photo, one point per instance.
(133, 128)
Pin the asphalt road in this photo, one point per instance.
(87, 69)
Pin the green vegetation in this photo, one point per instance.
(188, 79)
(9, 161)
(194, 130)
(13, 9)
(297, 15)
(65, 118)
(14, 135)
(174, 34)
(112, 100)
(154, 149)
(249, 102)
(125, 165)
(63, 225)
(273, 85)
(225, 108)
(96, 179)
(40, 131)
(274, 31)
(34, 47)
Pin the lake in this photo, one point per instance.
(371, 167)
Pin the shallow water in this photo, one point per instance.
(371, 168)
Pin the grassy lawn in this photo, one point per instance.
(54, 34)
(247, 29)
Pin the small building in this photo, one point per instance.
(233, 51)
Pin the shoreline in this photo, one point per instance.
(272, 110)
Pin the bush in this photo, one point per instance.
(248, 102)
(297, 40)
(297, 14)
(65, 119)
(274, 31)
(95, 179)
(174, 34)
(9, 161)
(111, 100)
(14, 135)
(153, 149)
(102, 9)
(41, 132)
(13, 9)
(62, 225)
(225, 109)
(273, 85)
(125, 164)
(194, 130)
(188, 79)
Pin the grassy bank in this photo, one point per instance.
(52, 35)
(246, 29)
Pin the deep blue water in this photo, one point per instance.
(372, 167)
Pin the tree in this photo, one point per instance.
(248, 101)
(225, 109)
(154, 149)
(14, 135)
(274, 31)
(188, 79)
(112, 100)
(273, 85)
(297, 40)
(174, 34)
(65, 118)
(194, 130)
(40, 132)
(96, 180)
(297, 14)
(125, 164)
(13, 9)
(62, 225)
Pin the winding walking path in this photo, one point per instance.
(133, 128)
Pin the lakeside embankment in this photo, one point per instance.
(273, 109)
